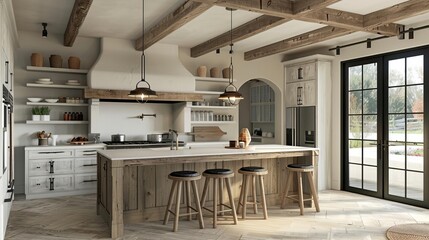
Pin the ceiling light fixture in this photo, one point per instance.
(142, 94)
(44, 31)
(231, 95)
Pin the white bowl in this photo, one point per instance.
(44, 79)
(51, 100)
(35, 99)
(73, 81)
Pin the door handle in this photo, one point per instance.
(51, 166)
(51, 184)
(89, 165)
(87, 181)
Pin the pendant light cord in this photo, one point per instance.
(143, 57)
(231, 67)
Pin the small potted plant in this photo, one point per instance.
(43, 138)
(44, 114)
(36, 113)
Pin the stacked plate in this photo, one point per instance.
(44, 81)
(73, 82)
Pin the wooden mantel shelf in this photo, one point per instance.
(122, 95)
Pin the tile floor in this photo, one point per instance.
(343, 216)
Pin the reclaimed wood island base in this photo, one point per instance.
(133, 185)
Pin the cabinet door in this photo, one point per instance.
(292, 94)
(50, 183)
(309, 71)
(310, 93)
(50, 166)
(38, 184)
(85, 165)
(86, 181)
(292, 74)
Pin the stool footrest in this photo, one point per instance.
(226, 210)
(185, 214)
(296, 199)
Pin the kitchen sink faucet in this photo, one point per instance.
(172, 139)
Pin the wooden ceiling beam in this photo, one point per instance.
(308, 38)
(308, 6)
(395, 13)
(77, 16)
(176, 19)
(244, 31)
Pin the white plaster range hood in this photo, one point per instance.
(118, 67)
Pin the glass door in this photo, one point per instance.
(385, 127)
(404, 121)
(361, 146)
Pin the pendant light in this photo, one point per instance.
(231, 95)
(142, 93)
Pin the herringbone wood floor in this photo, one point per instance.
(343, 216)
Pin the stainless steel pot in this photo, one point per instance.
(118, 138)
(161, 137)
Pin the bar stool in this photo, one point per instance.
(249, 179)
(308, 170)
(219, 176)
(179, 178)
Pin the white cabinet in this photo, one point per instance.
(301, 72)
(301, 94)
(60, 171)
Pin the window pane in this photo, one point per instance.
(355, 176)
(370, 153)
(370, 75)
(355, 102)
(355, 77)
(355, 127)
(415, 185)
(415, 69)
(370, 178)
(397, 182)
(370, 101)
(370, 127)
(355, 151)
(415, 98)
(397, 156)
(397, 100)
(415, 128)
(397, 72)
(415, 157)
(397, 127)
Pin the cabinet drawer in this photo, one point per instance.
(50, 184)
(86, 152)
(85, 181)
(302, 72)
(47, 154)
(52, 166)
(85, 165)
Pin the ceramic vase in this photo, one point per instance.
(43, 142)
(56, 61)
(245, 137)
(35, 117)
(226, 72)
(214, 72)
(45, 117)
(202, 71)
(74, 62)
(37, 60)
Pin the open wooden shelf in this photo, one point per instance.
(56, 122)
(57, 70)
(58, 104)
(55, 86)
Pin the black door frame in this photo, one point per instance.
(383, 131)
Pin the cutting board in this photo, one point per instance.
(207, 133)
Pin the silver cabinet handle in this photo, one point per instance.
(51, 152)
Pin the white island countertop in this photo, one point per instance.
(153, 153)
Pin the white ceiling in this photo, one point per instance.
(123, 19)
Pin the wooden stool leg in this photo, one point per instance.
(231, 200)
(221, 196)
(197, 203)
(188, 199)
(246, 181)
(255, 202)
(313, 190)
(205, 189)
(288, 183)
(264, 202)
(215, 198)
(300, 194)
(176, 217)
(170, 202)
(240, 199)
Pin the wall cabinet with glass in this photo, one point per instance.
(262, 103)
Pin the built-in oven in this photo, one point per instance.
(7, 159)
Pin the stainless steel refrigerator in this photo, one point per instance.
(301, 126)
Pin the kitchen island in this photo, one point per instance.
(133, 186)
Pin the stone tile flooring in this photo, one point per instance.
(343, 216)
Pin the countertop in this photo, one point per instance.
(73, 146)
(153, 153)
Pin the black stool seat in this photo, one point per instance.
(305, 166)
(185, 174)
(219, 171)
(252, 169)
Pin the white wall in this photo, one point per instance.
(358, 51)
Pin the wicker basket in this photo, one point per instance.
(74, 62)
(56, 61)
(37, 60)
